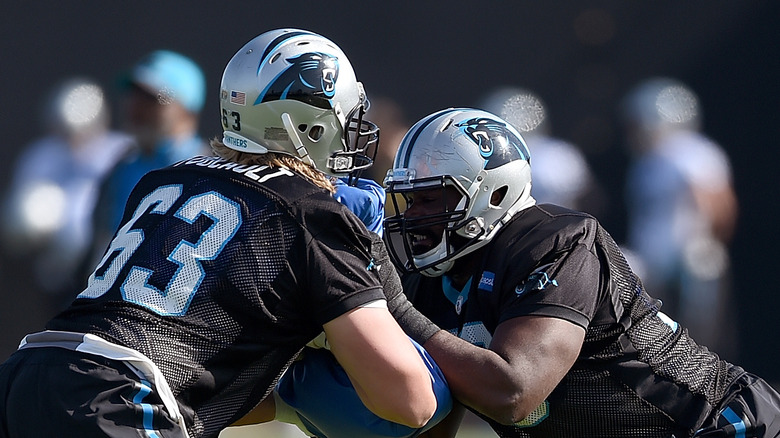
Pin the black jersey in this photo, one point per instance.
(638, 373)
(220, 274)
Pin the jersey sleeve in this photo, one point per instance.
(566, 284)
(340, 269)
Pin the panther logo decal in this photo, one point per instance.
(310, 78)
(497, 144)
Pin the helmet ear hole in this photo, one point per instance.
(498, 195)
(316, 132)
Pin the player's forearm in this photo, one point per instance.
(407, 407)
(480, 378)
(385, 369)
(414, 323)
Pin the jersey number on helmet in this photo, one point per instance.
(176, 298)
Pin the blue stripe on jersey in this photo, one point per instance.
(143, 391)
(421, 127)
(738, 423)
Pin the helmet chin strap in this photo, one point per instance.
(303, 153)
(439, 269)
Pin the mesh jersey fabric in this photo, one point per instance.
(220, 275)
(636, 375)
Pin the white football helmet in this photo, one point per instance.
(294, 92)
(478, 154)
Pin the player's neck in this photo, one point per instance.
(464, 269)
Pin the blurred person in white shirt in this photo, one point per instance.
(561, 171)
(48, 207)
(682, 208)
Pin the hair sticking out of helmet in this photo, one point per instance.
(466, 153)
(294, 92)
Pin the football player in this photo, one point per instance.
(315, 393)
(573, 344)
(223, 268)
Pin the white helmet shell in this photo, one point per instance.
(474, 151)
(294, 92)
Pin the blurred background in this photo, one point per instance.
(572, 68)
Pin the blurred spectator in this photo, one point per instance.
(682, 209)
(561, 174)
(164, 94)
(47, 211)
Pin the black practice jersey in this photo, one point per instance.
(220, 274)
(638, 373)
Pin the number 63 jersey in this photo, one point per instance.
(220, 273)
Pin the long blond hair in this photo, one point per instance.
(273, 160)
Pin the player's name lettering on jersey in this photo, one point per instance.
(252, 171)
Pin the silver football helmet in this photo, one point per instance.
(478, 154)
(294, 92)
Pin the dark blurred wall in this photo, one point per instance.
(579, 57)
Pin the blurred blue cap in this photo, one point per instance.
(170, 75)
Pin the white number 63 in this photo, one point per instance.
(178, 294)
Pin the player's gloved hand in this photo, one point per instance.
(366, 199)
